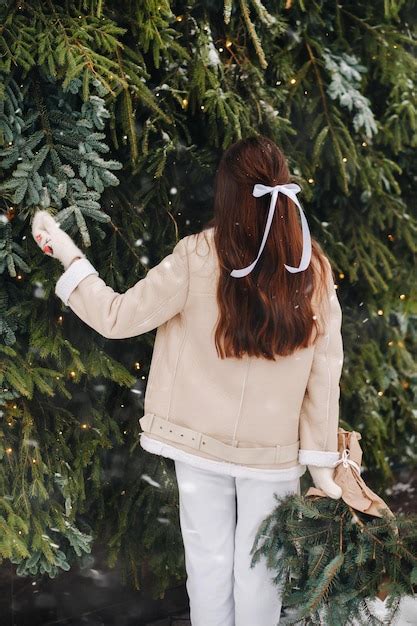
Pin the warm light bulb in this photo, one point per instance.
(293, 81)
(402, 296)
(380, 312)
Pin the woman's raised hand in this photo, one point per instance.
(52, 240)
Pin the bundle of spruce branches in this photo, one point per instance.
(330, 559)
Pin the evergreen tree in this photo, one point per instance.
(114, 116)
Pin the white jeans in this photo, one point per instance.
(219, 518)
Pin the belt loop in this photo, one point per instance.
(277, 454)
(151, 422)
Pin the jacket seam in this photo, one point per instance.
(176, 368)
(186, 285)
(151, 379)
(188, 278)
(241, 400)
(155, 312)
(328, 391)
(182, 341)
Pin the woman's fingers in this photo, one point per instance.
(43, 220)
(49, 222)
(37, 223)
(43, 238)
(43, 225)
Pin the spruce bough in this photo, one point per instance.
(329, 559)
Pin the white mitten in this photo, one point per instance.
(52, 240)
(323, 479)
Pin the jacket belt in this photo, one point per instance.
(152, 423)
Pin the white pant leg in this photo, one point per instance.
(257, 599)
(208, 519)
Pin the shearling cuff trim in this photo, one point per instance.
(68, 281)
(321, 458)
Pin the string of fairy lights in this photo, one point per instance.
(84, 426)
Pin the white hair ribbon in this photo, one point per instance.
(347, 461)
(290, 190)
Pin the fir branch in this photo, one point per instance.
(335, 140)
(252, 32)
(128, 122)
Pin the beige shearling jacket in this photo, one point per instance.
(245, 417)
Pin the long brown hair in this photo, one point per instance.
(269, 311)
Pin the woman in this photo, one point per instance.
(243, 388)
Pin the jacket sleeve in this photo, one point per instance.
(319, 418)
(152, 301)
